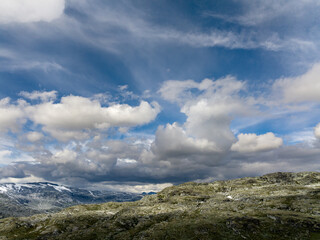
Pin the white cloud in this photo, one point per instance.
(210, 109)
(300, 89)
(5, 153)
(255, 143)
(179, 91)
(34, 136)
(24, 11)
(205, 137)
(26, 179)
(64, 156)
(11, 116)
(66, 135)
(172, 140)
(317, 131)
(73, 115)
(43, 96)
(125, 162)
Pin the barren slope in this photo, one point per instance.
(274, 206)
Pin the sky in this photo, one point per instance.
(139, 95)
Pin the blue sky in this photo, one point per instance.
(138, 95)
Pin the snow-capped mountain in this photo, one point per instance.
(32, 198)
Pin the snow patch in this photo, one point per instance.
(60, 188)
(3, 189)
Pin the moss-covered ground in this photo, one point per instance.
(274, 206)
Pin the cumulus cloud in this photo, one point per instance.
(122, 162)
(179, 91)
(64, 156)
(64, 135)
(209, 106)
(74, 112)
(11, 115)
(24, 11)
(301, 88)
(43, 96)
(173, 141)
(205, 138)
(317, 131)
(34, 136)
(73, 115)
(255, 143)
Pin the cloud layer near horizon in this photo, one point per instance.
(69, 139)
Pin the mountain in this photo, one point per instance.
(32, 198)
(274, 206)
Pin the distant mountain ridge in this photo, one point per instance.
(41, 197)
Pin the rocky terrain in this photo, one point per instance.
(32, 198)
(274, 206)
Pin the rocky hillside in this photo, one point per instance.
(32, 198)
(274, 206)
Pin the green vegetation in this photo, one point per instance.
(274, 206)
